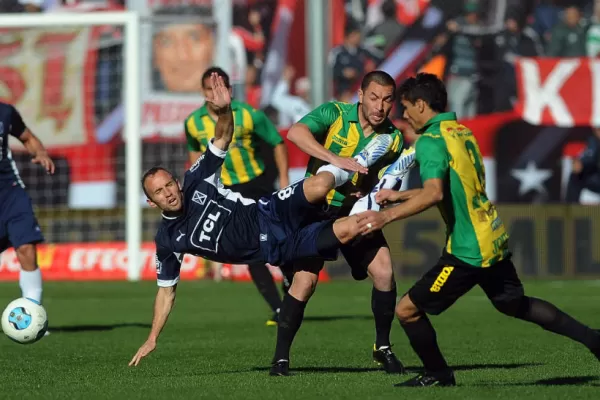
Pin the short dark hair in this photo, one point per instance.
(151, 172)
(426, 87)
(218, 71)
(380, 77)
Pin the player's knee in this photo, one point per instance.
(319, 185)
(26, 254)
(304, 285)
(382, 274)
(406, 311)
(510, 307)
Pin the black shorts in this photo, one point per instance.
(443, 284)
(358, 254)
(254, 189)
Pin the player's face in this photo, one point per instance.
(207, 91)
(182, 53)
(164, 191)
(413, 113)
(377, 102)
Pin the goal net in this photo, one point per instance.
(74, 77)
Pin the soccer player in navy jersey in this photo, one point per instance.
(205, 219)
(18, 225)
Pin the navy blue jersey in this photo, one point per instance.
(12, 124)
(216, 224)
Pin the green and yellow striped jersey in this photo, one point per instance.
(336, 126)
(242, 163)
(475, 233)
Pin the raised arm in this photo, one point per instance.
(221, 99)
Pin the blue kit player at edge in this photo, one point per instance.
(18, 225)
(207, 220)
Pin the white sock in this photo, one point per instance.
(341, 176)
(31, 284)
(368, 202)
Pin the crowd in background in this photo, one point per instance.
(478, 47)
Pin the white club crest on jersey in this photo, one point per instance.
(199, 197)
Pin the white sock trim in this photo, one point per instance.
(31, 284)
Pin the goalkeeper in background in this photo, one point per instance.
(243, 169)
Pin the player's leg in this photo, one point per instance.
(259, 272)
(437, 290)
(390, 178)
(371, 257)
(303, 285)
(24, 233)
(316, 190)
(503, 287)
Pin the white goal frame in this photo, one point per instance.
(131, 97)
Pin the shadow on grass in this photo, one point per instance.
(94, 328)
(335, 370)
(588, 380)
(328, 318)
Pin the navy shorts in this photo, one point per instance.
(18, 225)
(290, 226)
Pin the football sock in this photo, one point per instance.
(341, 176)
(31, 284)
(262, 278)
(423, 340)
(290, 319)
(550, 318)
(383, 305)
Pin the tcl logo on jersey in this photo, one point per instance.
(208, 229)
(209, 226)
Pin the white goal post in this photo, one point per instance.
(131, 100)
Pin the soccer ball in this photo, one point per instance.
(24, 321)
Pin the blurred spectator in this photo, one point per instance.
(253, 89)
(32, 6)
(568, 37)
(586, 170)
(348, 60)
(515, 41)
(593, 34)
(386, 35)
(291, 108)
(463, 71)
(545, 17)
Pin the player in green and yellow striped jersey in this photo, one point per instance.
(476, 251)
(243, 169)
(332, 134)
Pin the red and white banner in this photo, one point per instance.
(563, 92)
(108, 261)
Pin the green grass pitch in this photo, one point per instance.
(216, 346)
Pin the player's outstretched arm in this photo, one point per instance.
(163, 304)
(221, 99)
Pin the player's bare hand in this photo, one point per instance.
(146, 349)
(349, 164)
(387, 196)
(357, 194)
(45, 161)
(370, 221)
(220, 95)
